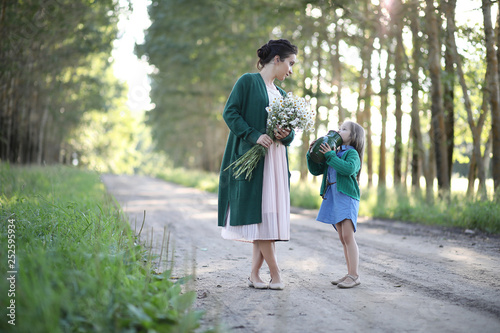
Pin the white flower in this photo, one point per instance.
(290, 112)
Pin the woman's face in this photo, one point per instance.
(284, 68)
(345, 133)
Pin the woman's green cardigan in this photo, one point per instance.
(347, 168)
(246, 116)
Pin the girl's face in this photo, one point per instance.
(284, 68)
(345, 133)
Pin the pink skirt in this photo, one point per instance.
(275, 203)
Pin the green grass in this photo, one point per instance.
(398, 204)
(457, 211)
(305, 195)
(206, 181)
(78, 267)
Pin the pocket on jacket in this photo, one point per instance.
(243, 147)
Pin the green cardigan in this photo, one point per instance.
(246, 116)
(347, 168)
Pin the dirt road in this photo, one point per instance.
(414, 278)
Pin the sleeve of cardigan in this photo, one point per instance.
(315, 169)
(286, 141)
(233, 112)
(347, 167)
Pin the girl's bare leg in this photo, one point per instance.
(257, 261)
(344, 245)
(351, 251)
(267, 249)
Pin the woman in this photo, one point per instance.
(258, 210)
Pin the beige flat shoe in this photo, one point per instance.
(276, 286)
(336, 282)
(257, 285)
(349, 282)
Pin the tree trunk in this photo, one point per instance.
(303, 160)
(486, 162)
(368, 127)
(430, 173)
(41, 133)
(4, 118)
(361, 93)
(305, 137)
(493, 92)
(418, 153)
(337, 66)
(471, 177)
(366, 114)
(439, 141)
(449, 85)
(384, 84)
(396, 16)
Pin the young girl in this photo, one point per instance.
(340, 192)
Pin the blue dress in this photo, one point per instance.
(337, 206)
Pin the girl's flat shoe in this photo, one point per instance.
(257, 285)
(336, 282)
(276, 286)
(349, 282)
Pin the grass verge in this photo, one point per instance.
(78, 266)
(457, 211)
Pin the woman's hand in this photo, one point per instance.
(325, 148)
(265, 141)
(280, 133)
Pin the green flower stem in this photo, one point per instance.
(248, 162)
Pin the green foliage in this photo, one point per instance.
(54, 55)
(79, 269)
(114, 142)
(199, 49)
(305, 195)
(457, 211)
(482, 215)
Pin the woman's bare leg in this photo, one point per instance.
(257, 261)
(267, 249)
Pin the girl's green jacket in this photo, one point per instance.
(347, 168)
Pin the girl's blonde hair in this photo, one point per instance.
(357, 141)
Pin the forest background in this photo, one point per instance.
(424, 85)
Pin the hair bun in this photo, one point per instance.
(264, 51)
(281, 47)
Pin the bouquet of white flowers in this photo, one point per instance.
(290, 112)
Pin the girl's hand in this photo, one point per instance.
(265, 141)
(280, 133)
(325, 148)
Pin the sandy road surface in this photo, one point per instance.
(414, 278)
